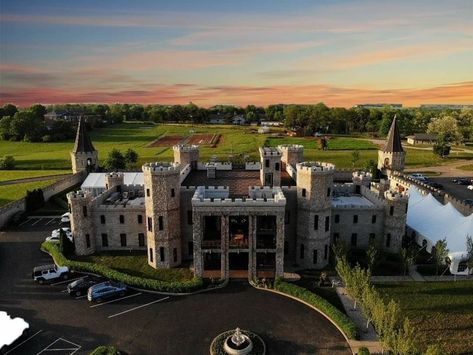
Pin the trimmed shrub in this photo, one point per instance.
(345, 323)
(363, 351)
(105, 350)
(150, 284)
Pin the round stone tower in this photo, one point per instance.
(291, 154)
(270, 172)
(113, 179)
(82, 222)
(395, 219)
(186, 154)
(162, 202)
(314, 202)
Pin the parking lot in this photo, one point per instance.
(142, 322)
(459, 191)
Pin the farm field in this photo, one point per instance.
(6, 175)
(9, 193)
(442, 312)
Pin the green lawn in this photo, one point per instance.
(136, 264)
(468, 167)
(9, 193)
(442, 312)
(6, 175)
(336, 143)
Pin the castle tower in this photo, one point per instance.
(113, 179)
(270, 172)
(84, 157)
(291, 154)
(395, 220)
(162, 202)
(314, 202)
(82, 222)
(186, 154)
(392, 157)
(361, 178)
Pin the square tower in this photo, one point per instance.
(270, 172)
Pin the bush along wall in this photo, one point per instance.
(134, 281)
(340, 319)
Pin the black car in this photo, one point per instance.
(436, 185)
(468, 201)
(80, 286)
(462, 181)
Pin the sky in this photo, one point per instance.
(236, 52)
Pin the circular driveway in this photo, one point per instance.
(152, 324)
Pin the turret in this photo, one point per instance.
(113, 179)
(162, 202)
(392, 157)
(84, 157)
(314, 202)
(395, 219)
(361, 178)
(82, 222)
(291, 154)
(186, 154)
(270, 172)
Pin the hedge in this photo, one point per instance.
(105, 350)
(140, 282)
(340, 319)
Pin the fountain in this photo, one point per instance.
(237, 342)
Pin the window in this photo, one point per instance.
(329, 191)
(337, 218)
(266, 163)
(388, 240)
(276, 166)
(160, 223)
(354, 239)
(104, 240)
(174, 254)
(123, 239)
(407, 206)
(141, 239)
(373, 219)
(287, 217)
(87, 240)
(140, 219)
(327, 223)
(391, 210)
(122, 219)
(336, 237)
(372, 237)
(84, 211)
(150, 224)
(148, 193)
(190, 248)
(314, 256)
(102, 219)
(161, 254)
(189, 217)
(355, 219)
(151, 255)
(286, 248)
(316, 222)
(173, 193)
(302, 252)
(303, 192)
(325, 252)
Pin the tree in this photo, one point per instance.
(9, 110)
(5, 123)
(407, 257)
(372, 255)
(38, 111)
(115, 160)
(440, 254)
(469, 249)
(446, 128)
(434, 349)
(131, 158)
(441, 148)
(372, 168)
(65, 244)
(7, 163)
(355, 156)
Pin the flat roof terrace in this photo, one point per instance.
(237, 180)
(351, 201)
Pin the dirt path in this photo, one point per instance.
(448, 170)
(32, 179)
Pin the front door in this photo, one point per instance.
(268, 179)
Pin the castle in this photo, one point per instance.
(232, 220)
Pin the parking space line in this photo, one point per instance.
(66, 281)
(118, 299)
(34, 223)
(80, 297)
(31, 337)
(48, 349)
(64, 290)
(52, 220)
(138, 307)
(23, 223)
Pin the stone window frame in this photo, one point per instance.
(141, 239)
(355, 219)
(173, 193)
(162, 254)
(150, 224)
(122, 219)
(316, 222)
(103, 219)
(140, 219)
(388, 240)
(104, 240)
(123, 241)
(327, 223)
(160, 223)
(354, 239)
(87, 240)
(373, 219)
(315, 256)
(151, 255)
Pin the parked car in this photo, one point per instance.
(80, 286)
(12, 330)
(462, 181)
(470, 187)
(419, 177)
(44, 273)
(468, 201)
(105, 290)
(58, 231)
(66, 217)
(56, 237)
(435, 185)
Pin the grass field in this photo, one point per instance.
(9, 193)
(234, 140)
(6, 175)
(468, 167)
(137, 264)
(442, 312)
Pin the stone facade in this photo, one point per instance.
(270, 173)
(84, 161)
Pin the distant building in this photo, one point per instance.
(73, 117)
(263, 130)
(382, 105)
(217, 120)
(421, 138)
(445, 106)
(271, 123)
(238, 120)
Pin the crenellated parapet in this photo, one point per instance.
(315, 167)
(161, 168)
(186, 154)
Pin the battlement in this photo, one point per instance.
(316, 167)
(219, 196)
(115, 174)
(362, 175)
(269, 152)
(396, 196)
(162, 168)
(185, 148)
(79, 195)
(291, 147)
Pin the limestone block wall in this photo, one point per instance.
(186, 216)
(186, 154)
(270, 164)
(80, 161)
(82, 224)
(393, 161)
(291, 154)
(290, 224)
(395, 220)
